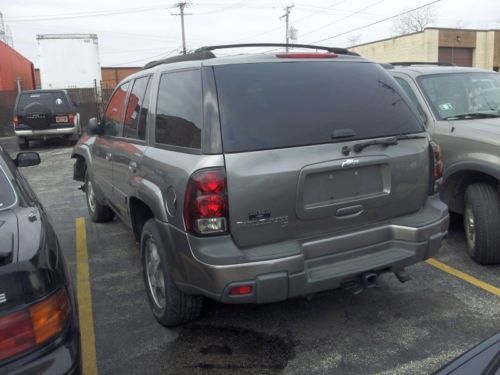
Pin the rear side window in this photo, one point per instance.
(114, 111)
(273, 105)
(134, 125)
(55, 102)
(179, 109)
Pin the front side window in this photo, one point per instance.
(458, 94)
(179, 109)
(134, 124)
(409, 91)
(7, 193)
(114, 111)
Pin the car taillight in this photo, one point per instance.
(16, 121)
(71, 118)
(305, 55)
(205, 205)
(34, 325)
(438, 163)
(437, 167)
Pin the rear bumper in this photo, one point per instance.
(59, 357)
(46, 132)
(211, 266)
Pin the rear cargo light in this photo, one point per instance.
(205, 205)
(71, 118)
(240, 290)
(22, 330)
(305, 55)
(436, 168)
(16, 121)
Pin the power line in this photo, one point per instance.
(181, 13)
(65, 16)
(343, 18)
(377, 22)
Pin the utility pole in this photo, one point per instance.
(286, 17)
(181, 13)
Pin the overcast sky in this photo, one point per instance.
(132, 33)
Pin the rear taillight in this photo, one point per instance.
(205, 205)
(16, 121)
(34, 325)
(71, 117)
(437, 168)
(438, 163)
(305, 55)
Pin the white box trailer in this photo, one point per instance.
(68, 61)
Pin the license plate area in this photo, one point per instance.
(327, 187)
(345, 184)
(61, 119)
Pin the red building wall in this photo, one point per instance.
(13, 65)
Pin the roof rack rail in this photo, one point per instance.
(201, 55)
(386, 65)
(340, 51)
(204, 53)
(409, 63)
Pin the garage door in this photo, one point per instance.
(457, 56)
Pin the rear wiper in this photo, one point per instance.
(471, 115)
(389, 141)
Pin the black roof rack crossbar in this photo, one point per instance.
(341, 51)
(201, 55)
(408, 63)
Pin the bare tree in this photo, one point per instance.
(414, 22)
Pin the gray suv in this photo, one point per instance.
(461, 109)
(257, 178)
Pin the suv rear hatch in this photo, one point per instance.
(289, 131)
(44, 110)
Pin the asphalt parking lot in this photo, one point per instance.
(410, 328)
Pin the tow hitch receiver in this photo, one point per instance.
(366, 280)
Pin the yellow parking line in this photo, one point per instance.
(89, 366)
(462, 275)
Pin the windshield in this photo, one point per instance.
(7, 193)
(55, 101)
(461, 93)
(273, 105)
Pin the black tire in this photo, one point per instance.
(482, 223)
(23, 143)
(98, 212)
(179, 307)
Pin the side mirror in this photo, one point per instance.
(27, 159)
(93, 126)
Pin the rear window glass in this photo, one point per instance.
(55, 101)
(274, 105)
(7, 194)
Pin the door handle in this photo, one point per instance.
(108, 156)
(132, 167)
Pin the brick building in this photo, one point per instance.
(464, 47)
